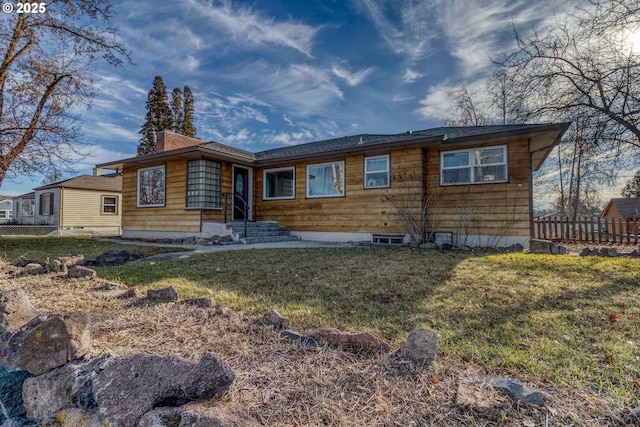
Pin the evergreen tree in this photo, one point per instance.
(177, 110)
(188, 129)
(158, 117)
(632, 188)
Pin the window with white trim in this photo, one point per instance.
(110, 205)
(279, 184)
(28, 207)
(474, 166)
(204, 184)
(151, 187)
(325, 179)
(376, 172)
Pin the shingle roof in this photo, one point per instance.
(230, 150)
(109, 182)
(449, 134)
(629, 207)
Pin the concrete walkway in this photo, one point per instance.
(203, 249)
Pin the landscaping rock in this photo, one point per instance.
(512, 388)
(199, 302)
(586, 252)
(539, 246)
(111, 286)
(76, 417)
(479, 397)
(34, 268)
(163, 295)
(71, 261)
(608, 252)
(274, 318)
(634, 254)
(56, 266)
(222, 310)
(115, 257)
(134, 385)
(79, 272)
(421, 347)
(361, 340)
(66, 387)
(197, 415)
(294, 336)
(11, 393)
(132, 293)
(18, 422)
(15, 311)
(49, 341)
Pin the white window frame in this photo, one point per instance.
(472, 166)
(318, 196)
(264, 183)
(158, 205)
(387, 171)
(32, 207)
(115, 212)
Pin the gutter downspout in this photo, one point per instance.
(531, 228)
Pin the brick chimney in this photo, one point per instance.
(167, 140)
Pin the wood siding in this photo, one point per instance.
(495, 209)
(83, 208)
(173, 217)
(359, 210)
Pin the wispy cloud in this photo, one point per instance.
(411, 76)
(251, 29)
(352, 79)
(405, 26)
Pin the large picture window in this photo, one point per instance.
(28, 208)
(203, 184)
(151, 187)
(474, 166)
(325, 180)
(279, 184)
(376, 172)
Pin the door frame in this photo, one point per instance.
(249, 191)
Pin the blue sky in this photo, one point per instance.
(270, 73)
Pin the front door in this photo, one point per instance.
(241, 197)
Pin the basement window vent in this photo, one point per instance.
(388, 239)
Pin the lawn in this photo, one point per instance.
(568, 326)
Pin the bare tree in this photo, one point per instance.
(46, 65)
(467, 110)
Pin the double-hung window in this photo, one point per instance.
(151, 187)
(109, 205)
(204, 184)
(474, 166)
(325, 179)
(279, 184)
(376, 172)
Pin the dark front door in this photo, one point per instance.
(240, 193)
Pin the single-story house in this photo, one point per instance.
(24, 208)
(474, 183)
(86, 203)
(622, 208)
(6, 209)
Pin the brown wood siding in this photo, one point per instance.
(360, 210)
(481, 209)
(83, 208)
(171, 217)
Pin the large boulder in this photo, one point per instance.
(274, 318)
(80, 272)
(15, 311)
(34, 268)
(360, 340)
(168, 294)
(134, 385)
(197, 415)
(49, 341)
(69, 386)
(11, 393)
(421, 347)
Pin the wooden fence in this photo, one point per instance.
(596, 230)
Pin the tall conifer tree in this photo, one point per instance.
(158, 117)
(188, 128)
(177, 110)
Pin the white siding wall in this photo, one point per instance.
(48, 219)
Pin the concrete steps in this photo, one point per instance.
(261, 232)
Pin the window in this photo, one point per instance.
(46, 204)
(376, 172)
(4, 214)
(110, 205)
(474, 166)
(325, 180)
(203, 184)
(28, 208)
(279, 184)
(151, 191)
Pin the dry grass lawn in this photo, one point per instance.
(564, 325)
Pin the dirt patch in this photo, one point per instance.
(286, 384)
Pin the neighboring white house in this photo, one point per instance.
(6, 209)
(24, 209)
